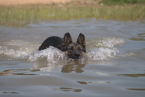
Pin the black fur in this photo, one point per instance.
(51, 41)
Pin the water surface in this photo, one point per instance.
(114, 65)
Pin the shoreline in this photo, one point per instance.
(30, 13)
(45, 2)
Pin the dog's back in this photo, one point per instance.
(51, 41)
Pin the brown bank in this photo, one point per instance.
(30, 2)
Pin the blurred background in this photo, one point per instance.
(18, 12)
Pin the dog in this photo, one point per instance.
(72, 50)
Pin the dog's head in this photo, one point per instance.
(74, 50)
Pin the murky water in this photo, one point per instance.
(114, 65)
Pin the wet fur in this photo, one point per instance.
(73, 50)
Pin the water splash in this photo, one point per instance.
(103, 48)
(17, 49)
(99, 49)
(107, 42)
(101, 53)
(52, 54)
(21, 53)
(110, 42)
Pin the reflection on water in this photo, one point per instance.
(81, 82)
(70, 89)
(132, 75)
(69, 68)
(11, 93)
(13, 72)
(139, 37)
(136, 89)
(112, 66)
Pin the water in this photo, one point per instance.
(114, 65)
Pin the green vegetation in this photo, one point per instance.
(19, 15)
(122, 2)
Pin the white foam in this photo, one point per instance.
(52, 54)
(111, 42)
(103, 48)
(101, 53)
(21, 53)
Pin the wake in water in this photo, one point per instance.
(103, 48)
(17, 49)
(97, 49)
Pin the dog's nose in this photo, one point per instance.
(77, 54)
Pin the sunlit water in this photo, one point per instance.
(113, 66)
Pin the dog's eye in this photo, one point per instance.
(79, 49)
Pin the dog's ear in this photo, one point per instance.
(67, 39)
(81, 40)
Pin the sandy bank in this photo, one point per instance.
(25, 2)
(31, 2)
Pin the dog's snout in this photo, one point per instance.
(77, 54)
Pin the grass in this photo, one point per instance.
(122, 2)
(21, 15)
